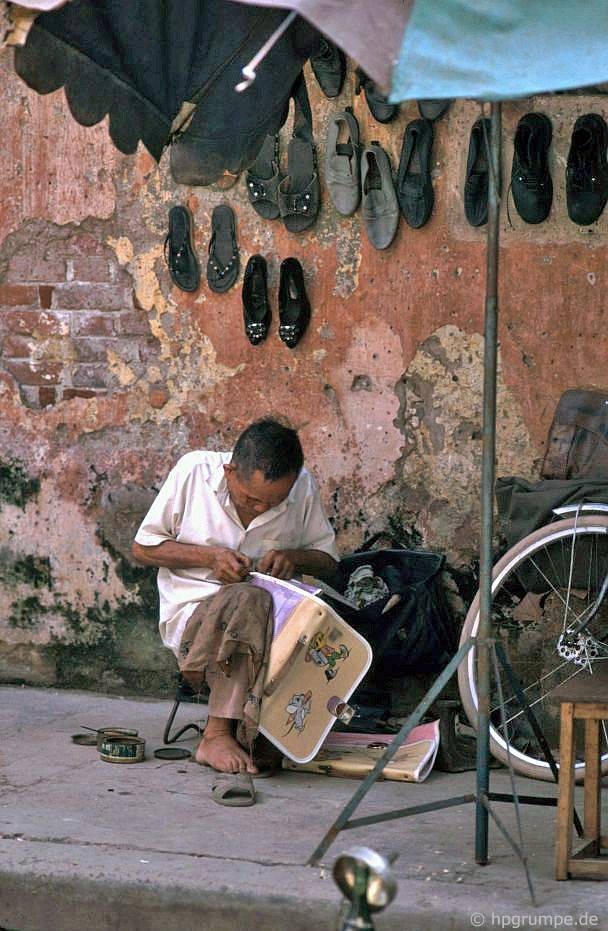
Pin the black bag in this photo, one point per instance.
(578, 439)
(417, 634)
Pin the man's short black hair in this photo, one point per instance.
(271, 448)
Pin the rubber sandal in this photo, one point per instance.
(179, 254)
(223, 262)
(300, 192)
(235, 790)
(263, 180)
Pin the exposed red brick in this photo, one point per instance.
(92, 349)
(42, 323)
(149, 349)
(46, 296)
(91, 324)
(85, 244)
(158, 397)
(38, 373)
(69, 393)
(133, 324)
(91, 376)
(91, 268)
(33, 266)
(47, 396)
(76, 296)
(18, 295)
(16, 347)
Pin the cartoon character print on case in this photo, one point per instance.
(298, 708)
(324, 655)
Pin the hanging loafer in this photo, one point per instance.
(379, 205)
(256, 309)
(477, 180)
(342, 169)
(294, 307)
(414, 186)
(179, 254)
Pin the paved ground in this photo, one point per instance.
(88, 844)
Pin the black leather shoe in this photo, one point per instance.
(256, 309)
(587, 170)
(294, 307)
(433, 109)
(414, 186)
(530, 179)
(329, 68)
(179, 254)
(378, 104)
(477, 181)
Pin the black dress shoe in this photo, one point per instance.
(477, 181)
(294, 307)
(587, 170)
(378, 104)
(530, 179)
(414, 186)
(256, 309)
(329, 68)
(433, 109)
(179, 254)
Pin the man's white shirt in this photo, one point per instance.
(194, 506)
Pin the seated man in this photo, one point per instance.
(217, 517)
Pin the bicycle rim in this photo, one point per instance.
(539, 588)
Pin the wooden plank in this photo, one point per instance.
(592, 819)
(565, 802)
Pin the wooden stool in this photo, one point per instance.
(584, 697)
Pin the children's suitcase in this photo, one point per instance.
(316, 662)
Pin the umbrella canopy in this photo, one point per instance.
(370, 32)
(500, 49)
(141, 61)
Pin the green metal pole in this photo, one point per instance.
(487, 492)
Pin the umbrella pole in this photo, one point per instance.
(487, 493)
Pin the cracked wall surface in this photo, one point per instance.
(108, 373)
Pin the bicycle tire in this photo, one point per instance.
(519, 569)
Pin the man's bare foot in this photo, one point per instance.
(224, 754)
(219, 749)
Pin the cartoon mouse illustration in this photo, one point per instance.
(298, 708)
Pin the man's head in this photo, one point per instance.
(266, 461)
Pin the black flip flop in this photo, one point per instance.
(179, 254)
(223, 262)
(263, 180)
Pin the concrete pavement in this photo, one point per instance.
(89, 844)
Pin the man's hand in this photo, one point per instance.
(278, 563)
(228, 565)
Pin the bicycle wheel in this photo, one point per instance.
(540, 587)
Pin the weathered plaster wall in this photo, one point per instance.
(108, 373)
